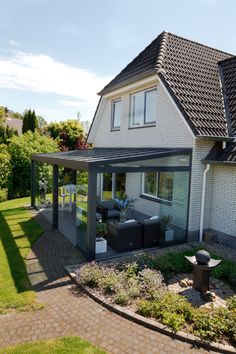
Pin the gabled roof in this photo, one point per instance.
(218, 155)
(14, 123)
(228, 78)
(189, 71)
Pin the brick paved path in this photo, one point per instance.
(66, 314)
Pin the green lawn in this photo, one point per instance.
(18, 231)
(67, 345)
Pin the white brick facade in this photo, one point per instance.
(171, 131)
(223, 210)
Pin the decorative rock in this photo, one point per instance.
(202, 257)
(183, 283)
(190, 282)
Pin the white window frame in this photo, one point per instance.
(157, 198)
(113, 102)
(144, 123)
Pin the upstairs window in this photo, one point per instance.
(115, 114)
(143, 108)
(158, 185)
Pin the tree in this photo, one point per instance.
(25, 125)
(69, 133)
(29, 121)
(2, 115)
(21, 148)
(32, 121)
(6, 133)
(42, 123)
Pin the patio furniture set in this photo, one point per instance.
(138, 231)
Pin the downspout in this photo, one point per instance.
(203, 200)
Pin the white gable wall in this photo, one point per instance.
(170, 129)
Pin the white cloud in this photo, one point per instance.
(42, 73)
(13, 43)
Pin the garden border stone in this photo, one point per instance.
(149, 323)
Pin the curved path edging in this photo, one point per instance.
(154, 325)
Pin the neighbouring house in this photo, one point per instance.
(164, 133)
(14, 123)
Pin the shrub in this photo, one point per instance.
(231, 302)
(90, 274)
(172, 309)
(151, 282)
(5, 166)
(3, 194)
(21, 148)
(212, 326)
(109, 280)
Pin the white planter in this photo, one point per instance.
(169, 234)
(101, 245)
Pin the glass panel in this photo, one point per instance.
(150, 106)
(137, 108)
(67, 203)
(116, 114)
(165, 185)
(175, 160)
(107, 186)
(81, 210)
(150, 183)
(43, 189)
(120, 184)
(177, 210)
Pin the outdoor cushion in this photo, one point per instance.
(155, 217)
(127, 225)
(113, 213)
(150, 221)
(108, 204)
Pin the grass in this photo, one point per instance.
(18, 231)
(67, 345)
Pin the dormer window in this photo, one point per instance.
(115, 114)
(143, 108)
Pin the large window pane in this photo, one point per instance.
(116, 113)
(150, 183)
(165, 185)
(107, 186)
(137, 108)
(151, 106)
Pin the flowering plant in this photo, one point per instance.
(123, 203)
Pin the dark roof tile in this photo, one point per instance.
(190, 73)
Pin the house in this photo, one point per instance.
(14, 123)
(164, 133)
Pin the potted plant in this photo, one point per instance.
(123, 203)
(101, 233)
(167, 231)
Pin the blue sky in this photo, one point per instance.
(55, 55)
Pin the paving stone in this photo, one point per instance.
(65, 314)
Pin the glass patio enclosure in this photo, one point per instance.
(66, 187)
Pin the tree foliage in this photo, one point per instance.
(5, 166)
(30, 121)
(6, 133)
(69, 133)
(2, 115)
(21, 148)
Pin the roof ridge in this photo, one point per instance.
(201, 44)
(228, 59)
(161, 51)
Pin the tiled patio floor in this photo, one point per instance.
(66, 314)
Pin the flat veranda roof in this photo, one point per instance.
(98, 157)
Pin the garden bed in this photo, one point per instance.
(139, 288)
